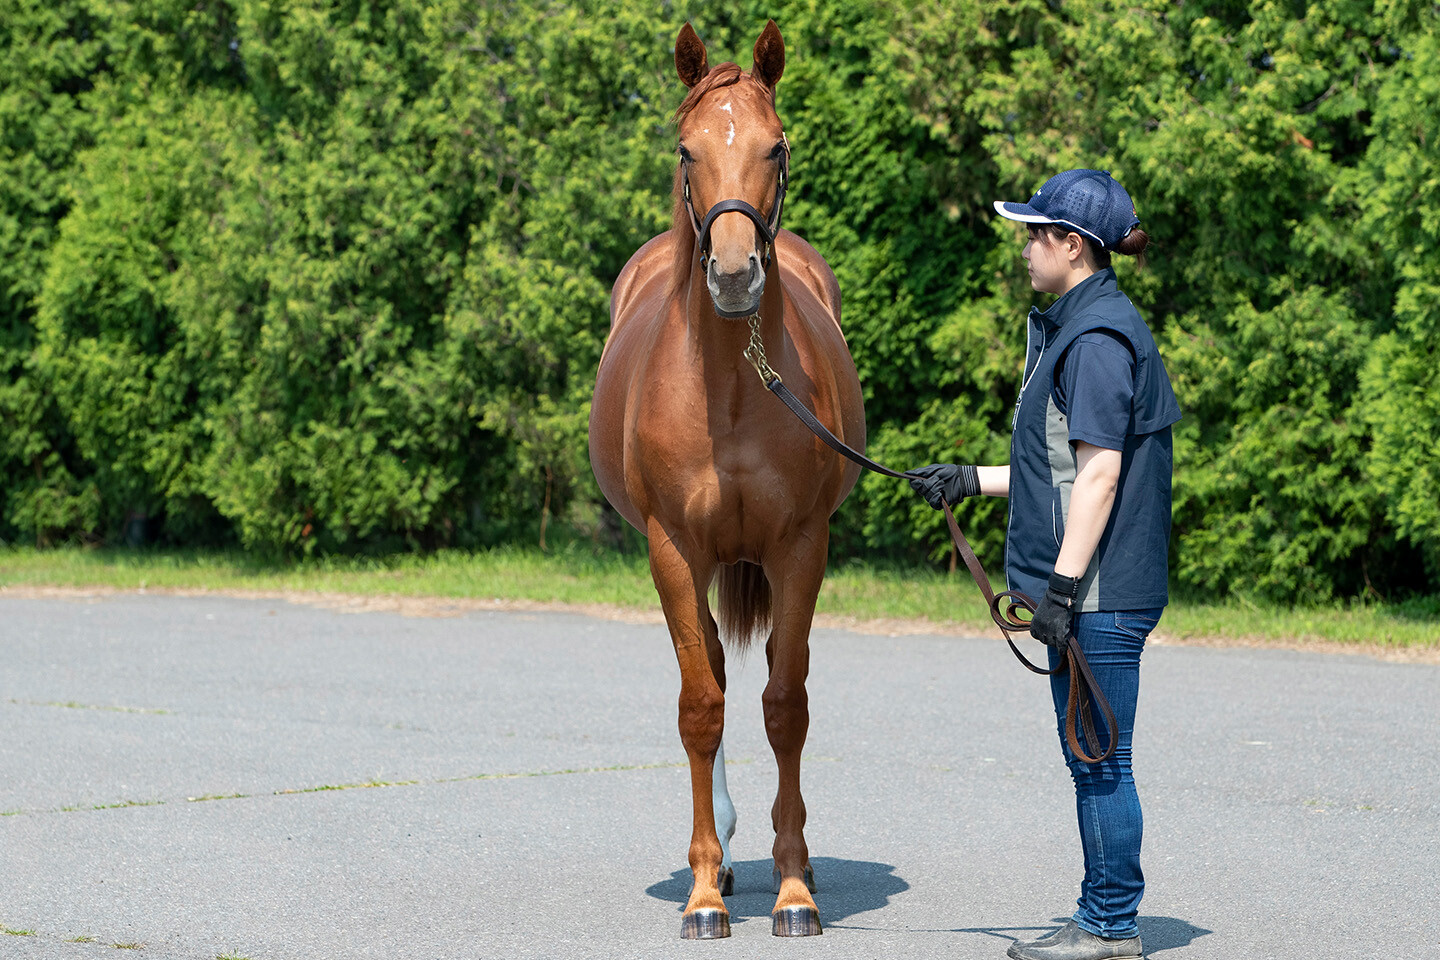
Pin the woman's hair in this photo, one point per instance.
(1133, 244)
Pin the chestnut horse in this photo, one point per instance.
(689, 447)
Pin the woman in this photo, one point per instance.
(1089, 489)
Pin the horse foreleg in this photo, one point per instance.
(787, 720)
(682, 588)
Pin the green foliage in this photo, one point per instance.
(1401, 402)
(309, 276)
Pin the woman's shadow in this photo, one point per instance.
(1157, 933)
(850, 887)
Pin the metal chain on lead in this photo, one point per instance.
(755, 353)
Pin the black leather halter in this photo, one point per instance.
(769, 229)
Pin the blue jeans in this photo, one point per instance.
(1106, 803)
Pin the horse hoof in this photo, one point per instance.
(809, 879)
(726, 881)
(705, 924)
(795, 922)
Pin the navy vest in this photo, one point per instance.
(1130, 568)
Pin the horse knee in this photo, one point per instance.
(702, 721)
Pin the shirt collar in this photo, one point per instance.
(1076, 299)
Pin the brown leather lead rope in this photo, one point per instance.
(1080, 693)
(1084, 689)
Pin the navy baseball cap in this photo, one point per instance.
(1090, 201)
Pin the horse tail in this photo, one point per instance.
(744, 608)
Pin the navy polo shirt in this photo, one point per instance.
(1097, 404)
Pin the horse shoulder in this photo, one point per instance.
(804, 265)
(814, 298)
(646, 267)
(637, 303)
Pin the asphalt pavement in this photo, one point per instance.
(210, 777)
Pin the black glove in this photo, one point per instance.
(948, 480)
(1051, 622)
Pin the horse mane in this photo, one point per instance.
(725, 75)
(684, 234)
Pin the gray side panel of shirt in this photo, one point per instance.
(1062, 479)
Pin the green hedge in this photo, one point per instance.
(334, 276)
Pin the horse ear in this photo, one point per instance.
(769, 56)
(690, 58)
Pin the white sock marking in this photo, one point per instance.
(724, 809)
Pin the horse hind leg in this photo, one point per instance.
(743, 591)
(720, 794)
(724, 823)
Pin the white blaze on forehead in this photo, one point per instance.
(731, 137)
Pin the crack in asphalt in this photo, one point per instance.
(361, 785)
(74, 705)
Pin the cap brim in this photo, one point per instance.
(1028, 214)
(1022, 212)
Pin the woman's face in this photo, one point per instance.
(1052, 262)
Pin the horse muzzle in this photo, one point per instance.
(736, 294)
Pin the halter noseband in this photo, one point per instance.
(769, 229)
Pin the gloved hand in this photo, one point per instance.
(1053, 614)
(951, 481)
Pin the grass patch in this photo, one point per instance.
(1415, 623)
(575, 574)
(122, 805)
(866, 592)
(578, 574)
(12, 932)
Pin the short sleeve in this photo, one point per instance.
(1095, 389)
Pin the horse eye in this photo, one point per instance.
(778, 151)
(685, 154)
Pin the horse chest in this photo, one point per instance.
(726, 486)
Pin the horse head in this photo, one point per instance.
(734, 164)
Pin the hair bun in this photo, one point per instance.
(1133, 243)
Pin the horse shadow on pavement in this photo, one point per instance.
(847, 887)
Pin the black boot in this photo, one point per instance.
(1070, 942)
